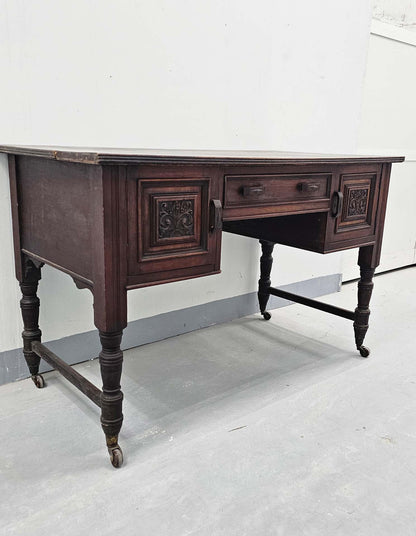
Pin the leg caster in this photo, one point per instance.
(266, 261)
(116, 455)
(38, 380)
(364, 351)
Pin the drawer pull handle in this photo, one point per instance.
(336, 205)
(253, 190)
(308, 186)
(215, 215)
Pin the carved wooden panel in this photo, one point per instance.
(357, 202)
(176, 218)
(173, 217)
(358, 191)
(357, 221)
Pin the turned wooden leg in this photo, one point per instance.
(362, 312)
(29, 305)
(266, 261)
(111, 359)
(110, 318)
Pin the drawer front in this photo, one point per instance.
(255, 190)
(171, 230)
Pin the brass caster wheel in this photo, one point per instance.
(266, 315)
(38, 380)
(116, 456)
(364, 351)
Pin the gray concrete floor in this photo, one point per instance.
(246, 428)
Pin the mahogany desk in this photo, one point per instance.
(115, 220)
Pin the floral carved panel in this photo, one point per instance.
(360, 191)
(357, 202)
(172, 217)
(176, 218)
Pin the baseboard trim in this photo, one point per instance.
(85, 346)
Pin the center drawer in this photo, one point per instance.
(255, 190)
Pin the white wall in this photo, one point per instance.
(388, 126)
(182, 74)
(398, 12)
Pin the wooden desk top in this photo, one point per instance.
(124, 156)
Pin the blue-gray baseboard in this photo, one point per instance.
(85, 346)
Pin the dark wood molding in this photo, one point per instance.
(128, 156)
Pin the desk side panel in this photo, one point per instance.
(54, 209)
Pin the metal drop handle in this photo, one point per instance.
(336, 205)
(215, 215)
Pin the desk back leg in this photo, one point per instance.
(266, 262)
(367, 262)
(29, 305)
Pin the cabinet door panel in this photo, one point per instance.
(359, 192)
(169, 224)
(173, 218)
